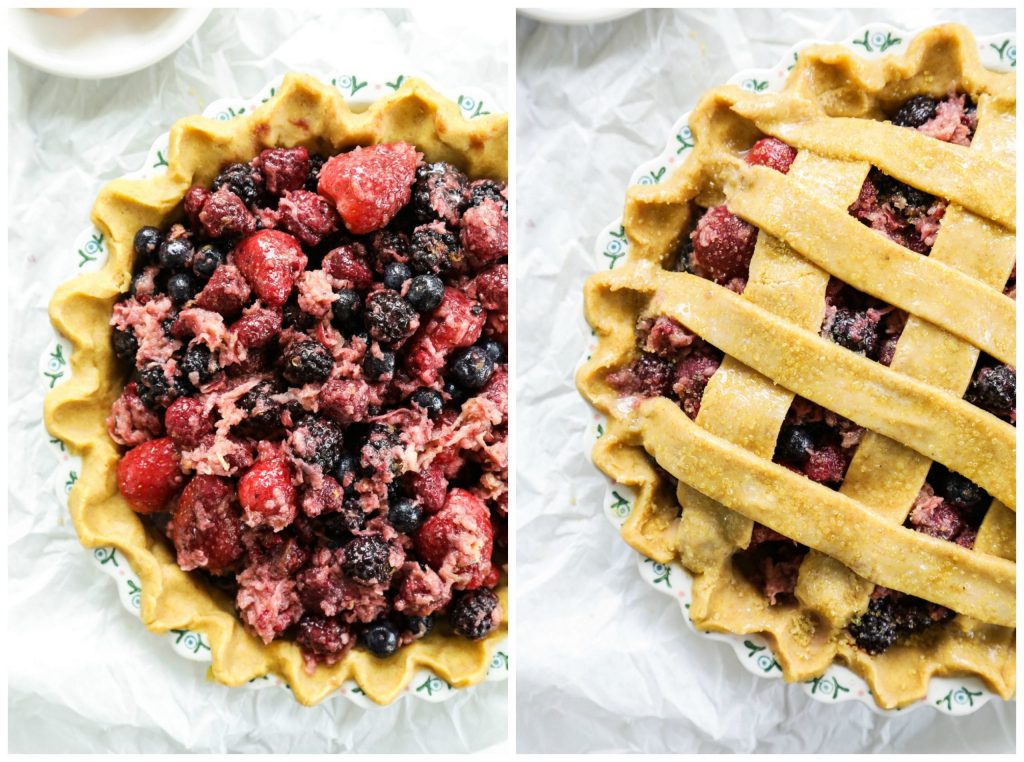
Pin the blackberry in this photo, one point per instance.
(346, 308)
(181, 287)
(854, 331)
(439, 192)
(125, 345)
(962, 492)
(347, 468)
(388, 316)
(428, 399)
(319, 443)
(417, 626)
(263, 417)
(316, 163)
(379, 368)
(292, 316)
(306, 362)
(472, 368)
(916, 111)
(493, 348)
(481, 190)
(175, 254)
(396, 274)
(152, 386)
(892, 188)
(243, 180)
(472, 615)
(147, 242)
(425, 293)
(435, 249)
(794, 445)
(994, 389)
(338, 527)
(207, 260)
(874, 632)
(381, 639)
(368, 560)
(197, 360)
(405, 515)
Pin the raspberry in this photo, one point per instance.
(206, 527)
(285, 169)
(369, 185)
(270, 261)
(722, 246)
(457, 542)
(307, 216)
(346, 400)
(329, 497)
(225, 293)
(225, 214)
(349, 263)
(325, 638)
(267, 494)
(648, 376)
(148, 476)
(367, 560)
(457, 323)
(827, 464)
(484, 233)
(772, 153)
(257, 327)
(491, 288)
(195, 197)
(475, 614)
(187, 422)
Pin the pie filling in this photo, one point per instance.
(317, 413)
(813, 441)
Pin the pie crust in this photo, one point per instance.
(304, 112)
(832, 110)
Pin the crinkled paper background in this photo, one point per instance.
(605, 663)
(83, 673)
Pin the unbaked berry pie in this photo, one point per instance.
(300, 342)
(808, 364)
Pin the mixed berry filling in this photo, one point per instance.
(906, 215)
(951, 120)
(891, 617)
(861, 323)
(994, 388)
(317, 414)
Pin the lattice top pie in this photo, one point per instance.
(807, 360)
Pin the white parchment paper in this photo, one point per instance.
(84, 674)
(604, 662)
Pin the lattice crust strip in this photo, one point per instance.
(831, 110)
(304, 112)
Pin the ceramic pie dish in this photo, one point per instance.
(827, 627)
(299, 110)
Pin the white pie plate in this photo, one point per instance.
(87, 254)
(101, 43)
(950, 695)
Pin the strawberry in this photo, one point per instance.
(270, 261)
(206, 527)
(369, 185)
(349, 263)
(149, 475)
(267, 494)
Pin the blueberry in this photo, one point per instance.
(379, 368)
(961, 491)
(472, 615)
(381, 639)
(206, 260)
(175, 254)
(346, 308)
(125, 345)
(425, 293)
(405, 515)
(456, 394)
(429, 400)
(795, 443)
(347, 468)
(418, 626)
(395, 274)
(147, 243)
(493, 348)
(181, 287)
(472, 368)
(306, 362)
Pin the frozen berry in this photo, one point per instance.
(434, 249)
(270, 261)
(417, 626)
(475, 613)
(795, 442)
(439, 193)
(379, 367)
(472, 367)
(147, 242)
(873, 631)
(493, 348)
(175, 253)
(323, 637)
(153, 388)
(346, 308)
(206, 526)
(207, 260)
(243, 180)
(994, 389)
(381, 639)
(149, 475)
(368, 560)
(225, 293)
(306, 362)
(257, 327)
(855, 331)
(316, 163)
(428, 399)
(773, 153)
(405, 515)
(396, 274)
(126, 346)
(916, 111)
(460, 539)
(347, 470)
(318, 442)
(425, 292)
(284, 169)
(369, 185)
(181, 287)
(307, 216)
(388, 316)
(267, 495)
(481, 190)
(197, 365)
(722, 246)
(187, 422)
(224, 214)
(263, 412)
(962, 492)
(455, 392)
